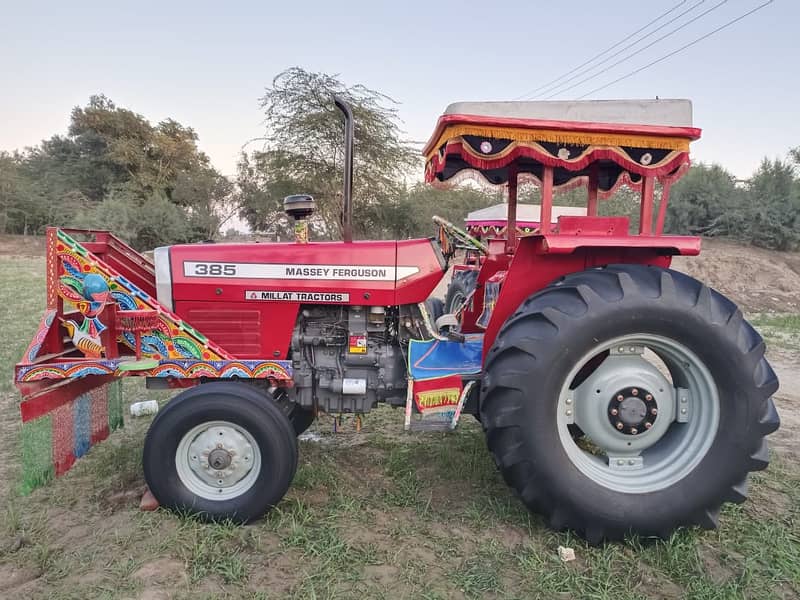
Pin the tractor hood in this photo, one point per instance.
(382, 273)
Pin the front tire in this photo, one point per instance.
(220, 450)
(670, 444)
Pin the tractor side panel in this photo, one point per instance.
(246, 297)
(533, 268)
(422, 255)
(247, 330)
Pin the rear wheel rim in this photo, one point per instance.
(643, 455)
(218, 460)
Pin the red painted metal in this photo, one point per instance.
(42, 397)
(662, 206)
(120, 257)
(497, 260)
(218, 306)
(593, 185)
(511, 231)
(646, 206)
(535, 265)
(245, 330)
(545, 216)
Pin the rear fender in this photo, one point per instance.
(540, 260)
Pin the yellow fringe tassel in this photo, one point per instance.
(562, 137)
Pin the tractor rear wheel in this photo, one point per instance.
(675, 411)
(221, 450)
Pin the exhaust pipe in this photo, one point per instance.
(347, 201)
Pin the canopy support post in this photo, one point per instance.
(594, 176)
(511, 221)
(545, 215)
(646, 208)
(662, 206)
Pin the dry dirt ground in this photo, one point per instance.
(386, 515)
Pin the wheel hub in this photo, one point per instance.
(218, 460)
(618, 408)
(632, 410)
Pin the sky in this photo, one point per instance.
(206, 64)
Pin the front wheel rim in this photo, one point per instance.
(218, 460)
(637, 444)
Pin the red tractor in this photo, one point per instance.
(617, 396)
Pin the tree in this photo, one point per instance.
(304, 151)
(704, 201)
(773, 215)
(130, 150)
(208, 197)
(116, 170)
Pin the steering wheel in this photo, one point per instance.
(450, 235)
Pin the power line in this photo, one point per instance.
(638, 51)
(681, 49)
(550, 89)
(596, 56)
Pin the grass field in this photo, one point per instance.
(379, 514)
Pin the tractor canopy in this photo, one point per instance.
(623, 140)
(559, 145)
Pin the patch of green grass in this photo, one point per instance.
(786, 322)
(22, 300)
(213, 549)
(401, 467)
(780, 330)
(316, 471)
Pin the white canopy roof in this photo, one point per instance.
(670, 113)
(525, 213)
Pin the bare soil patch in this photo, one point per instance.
(757, 280)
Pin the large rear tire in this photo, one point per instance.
(220, 450)
(676, 412)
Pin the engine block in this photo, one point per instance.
(347, 358)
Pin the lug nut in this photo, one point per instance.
(614, 411)
(569, 401)
(635, 392)
(649, 397)
(569, 412)
(620, 462)
(620, 398)
(620, 425)
(631, 462)
(683, 411)
(653, 411)
(634, 431)
(648, 425)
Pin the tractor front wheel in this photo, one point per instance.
(221, 450)
(664, 377)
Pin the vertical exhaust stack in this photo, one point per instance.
(299, 207)
(347, 201)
